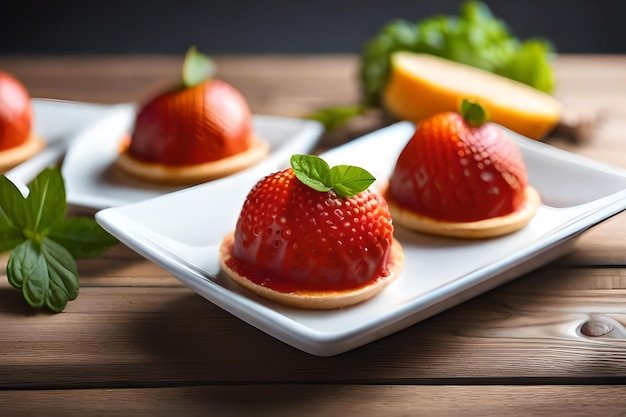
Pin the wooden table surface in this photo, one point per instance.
(138, 342)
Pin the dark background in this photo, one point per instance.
(280, 26)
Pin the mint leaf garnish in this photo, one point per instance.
(43, 242)
(312, 171)
(349, 180)
(473, 113)
(345, 180)
(197, 67)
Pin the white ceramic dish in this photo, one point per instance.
(181, 232)
(57, 122)
(92, 181)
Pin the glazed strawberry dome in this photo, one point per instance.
(471, 174)
(190, 126)
(16, 112)
(290, 237)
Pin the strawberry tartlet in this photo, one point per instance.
(199, 131)
(313, 243)
(17, 139)
(460, 176)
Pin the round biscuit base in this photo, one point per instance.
(193, 174)
(492, 227)
(15, 156)
(315, 300)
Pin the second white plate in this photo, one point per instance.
(92, 181)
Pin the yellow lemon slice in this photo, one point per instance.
(421, 85)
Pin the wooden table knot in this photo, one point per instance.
(596, 328)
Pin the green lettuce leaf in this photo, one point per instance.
(475, 38)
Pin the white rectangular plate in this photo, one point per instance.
(57, 122)
(181, 232)
(91, 179)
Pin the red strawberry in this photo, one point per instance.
(456, 168)
(16, 112)
(291, 238)
(193, 125)
(203, 120)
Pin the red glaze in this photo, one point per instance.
(16, 112)
(291, 238)
(454, 172)
(194, 125)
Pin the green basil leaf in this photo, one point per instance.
(312, 171)
(39, 265)
(197, 67)
(63, 283)
(10, 237)
(27, 270)
(5, 222)
(349, 180)
(333, 117)
(46, 200)
(46, 274)
(82, 237)
(12, 205)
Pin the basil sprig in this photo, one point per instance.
(345, 180)
(43, 242)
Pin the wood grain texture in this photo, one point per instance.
(323, 400)
(157, 331)
(137, 341)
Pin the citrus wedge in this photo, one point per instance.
(421, 85)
